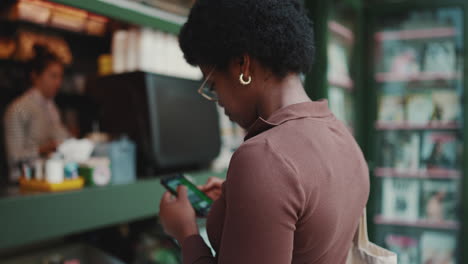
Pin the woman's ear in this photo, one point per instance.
(245, 65)
(242, 59)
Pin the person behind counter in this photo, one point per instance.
(32, 123)
(297, 186)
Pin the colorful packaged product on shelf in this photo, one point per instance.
(406, 62)
(419, 108)
(392, 106)
(440, 150)
(438, 247)
(400, 150)
(447, 106)
(96, 171)
(400, 199)
(439, 200)
(440, 56)
(406, 247)
(399, 58)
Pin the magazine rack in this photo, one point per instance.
(416, 128)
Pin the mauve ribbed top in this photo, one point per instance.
(294, 193)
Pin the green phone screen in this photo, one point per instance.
(196, 197)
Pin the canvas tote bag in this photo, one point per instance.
(363, 251)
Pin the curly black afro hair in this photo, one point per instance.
(277, 33)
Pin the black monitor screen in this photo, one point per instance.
(185, 127)
(171, 123)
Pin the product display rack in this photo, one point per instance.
(416, 124)
(334, 75)
(340, 84)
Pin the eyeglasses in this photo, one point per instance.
(207, 88)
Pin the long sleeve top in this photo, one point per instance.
(294, 193)
(30, 121)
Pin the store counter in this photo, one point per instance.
(29, 218)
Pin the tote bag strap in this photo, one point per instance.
(361, 237)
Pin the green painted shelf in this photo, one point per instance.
(132, 12)
(33, 218)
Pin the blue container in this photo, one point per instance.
(122, 156)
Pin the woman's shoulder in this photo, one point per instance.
(258, 149)
(260, 156)
(259, 170)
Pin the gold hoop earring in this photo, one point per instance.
(244, 82)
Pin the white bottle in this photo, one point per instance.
(39, 169)
(119, 48)
(54, 170)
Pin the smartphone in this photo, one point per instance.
(200, 202)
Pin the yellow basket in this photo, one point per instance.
(66, 185)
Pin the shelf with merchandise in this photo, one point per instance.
(132, 12)
(403, 125)
(421, 223)
(46, 14)
(78, 211)
(341, 31)
(382, 77)
(345, 83)
(412, 34)
(417, 130)
(433, 173)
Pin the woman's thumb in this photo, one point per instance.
(182, 192)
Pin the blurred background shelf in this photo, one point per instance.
(423, 174)
(449, 225)
(427, 33)
(419, 77)
(434, 125)
(416, 72)
(132, 12)
(35, 217)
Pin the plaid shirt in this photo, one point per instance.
(30, 121)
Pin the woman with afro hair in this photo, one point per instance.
(297, 186)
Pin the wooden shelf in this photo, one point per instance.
(429, 33)
(422, 174)
(132, 12)
(433, 125)
(30, 218)
(421, 223)
(420, 77)
(341, 31)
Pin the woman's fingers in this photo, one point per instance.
(167, 197)
(182, 192)
(214, 194)
(212, 182)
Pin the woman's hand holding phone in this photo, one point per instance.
(177, 216)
